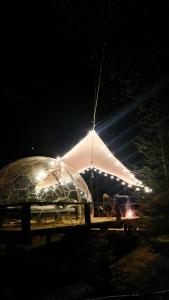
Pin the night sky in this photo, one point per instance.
(50, 60)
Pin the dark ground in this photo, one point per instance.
(63, 268)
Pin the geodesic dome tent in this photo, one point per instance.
(42, 179)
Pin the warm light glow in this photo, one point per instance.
(129, 185)
(40, 175)
(118, 179)
(58, 158)
(105, 174)
(111, 177)
(123, 183)
(129, 214)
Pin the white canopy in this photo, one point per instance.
(91, 152)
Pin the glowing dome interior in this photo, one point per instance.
(36, 179)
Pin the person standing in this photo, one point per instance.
(108, 205)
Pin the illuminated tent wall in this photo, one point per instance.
(91, 152)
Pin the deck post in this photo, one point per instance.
(25, 219)
(87, 213)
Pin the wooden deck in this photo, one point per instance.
(14, 235)
(50, 224)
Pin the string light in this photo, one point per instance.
(137, 189)
(140, 182)
(122, 174)
(137, 182)
(147, 189)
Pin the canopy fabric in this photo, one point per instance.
(91, 152)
